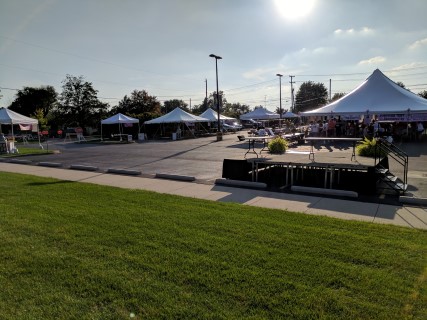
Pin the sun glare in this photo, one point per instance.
(294, 9)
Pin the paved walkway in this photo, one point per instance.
(401, 215)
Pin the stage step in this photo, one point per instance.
(401, 186)
(382, 170)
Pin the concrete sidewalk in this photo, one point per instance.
(401, 215)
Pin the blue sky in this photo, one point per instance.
(163, 46)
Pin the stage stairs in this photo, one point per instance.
(384, 151)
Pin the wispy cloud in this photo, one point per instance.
(418, 44)
(374, 60)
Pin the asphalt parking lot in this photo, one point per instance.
(201, 158)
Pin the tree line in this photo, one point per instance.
(78, 104)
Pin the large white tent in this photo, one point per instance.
(260, 114)
(212, 115)
(376, 95)
(179, 117)
(119, 119)
(11, 117)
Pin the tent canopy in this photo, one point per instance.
(11, 117)
(119, 118)
(177, 115)
(212, 115)
(260, 114)
(289, 114)
(376, 95)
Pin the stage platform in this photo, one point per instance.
(334, 167)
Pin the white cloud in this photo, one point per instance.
(418, 43)
(259, 74)
(374, 60)
(324, 50)
(353, 32)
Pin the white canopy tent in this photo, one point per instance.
(289, 114)
(260, 114)
(119, 119)
(212, 115)
(376, 95)
(178, 116)
(12, 118)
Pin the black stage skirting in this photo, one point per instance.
(281, 175)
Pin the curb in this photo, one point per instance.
(239, 183)
(174, 177)
(334, 192)
(50, 164)
(82, 167)
(124, 171)
(412, 200)
(20, 161)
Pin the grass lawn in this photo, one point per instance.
(31, 149)
(80, 251)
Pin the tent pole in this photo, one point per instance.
(38, 135)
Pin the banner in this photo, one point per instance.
(25, 127)
(414, 117)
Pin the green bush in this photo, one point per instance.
(277, 145)
(366, 148)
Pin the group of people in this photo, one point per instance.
(335, 127)
(330, 128)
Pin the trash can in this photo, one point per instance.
(173, 135)
(141, 136)
(129, 137)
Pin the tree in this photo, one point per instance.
(400, 84)
(211, 103)
(235, 110)
(337, 96)
(139, 105)
(169, 105)
(310, 96)
(79, 104)
(423, 94)
(31, 101)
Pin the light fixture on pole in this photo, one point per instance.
(218, 134)
(280, 98)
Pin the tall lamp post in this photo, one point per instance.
(280, 98)
(218, 134)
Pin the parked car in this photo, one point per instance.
(251, 123)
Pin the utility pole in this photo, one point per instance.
(206, 98)
(190, 104)
(330, 90)
(265, 102)
(292, 93)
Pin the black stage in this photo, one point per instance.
(334, 168)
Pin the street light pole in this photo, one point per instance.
(218, 134)
(280, 98)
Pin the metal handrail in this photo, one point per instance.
(396, 153)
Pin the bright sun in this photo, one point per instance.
(294, 9)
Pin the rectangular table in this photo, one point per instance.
(314, 139)
(253, 140)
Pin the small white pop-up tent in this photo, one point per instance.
(119, 119)
(260, 114)
(12, 118)
(376, 95)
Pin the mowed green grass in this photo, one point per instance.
(79, 251)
